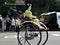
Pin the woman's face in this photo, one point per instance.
(29, 8)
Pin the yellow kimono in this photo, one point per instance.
(28, 14)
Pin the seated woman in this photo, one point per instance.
(29, 16)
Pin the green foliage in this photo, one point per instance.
(37, 12)
(10, 1)
(38, 6)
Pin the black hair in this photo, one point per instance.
(26, 7)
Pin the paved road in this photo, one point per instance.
(10, 38)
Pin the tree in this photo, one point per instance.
(52, 5)
(38, 6)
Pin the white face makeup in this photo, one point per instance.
(29, 8)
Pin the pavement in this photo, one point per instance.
(10, 38)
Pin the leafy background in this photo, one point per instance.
(39, 6)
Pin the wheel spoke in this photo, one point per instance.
(29, 37)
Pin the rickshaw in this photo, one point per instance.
(30, 34)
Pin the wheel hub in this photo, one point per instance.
(31, 36)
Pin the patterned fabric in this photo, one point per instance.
(28, 14)
(36, 21)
